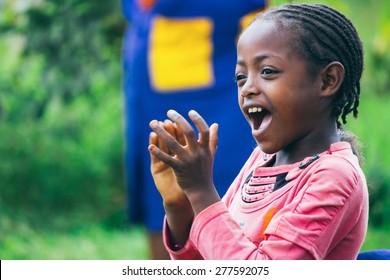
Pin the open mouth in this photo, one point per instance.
(256, 116)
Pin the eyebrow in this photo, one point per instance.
(257, 59)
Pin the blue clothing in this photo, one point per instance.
(181, 54)
(379, 254)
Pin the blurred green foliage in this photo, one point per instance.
(60, 111)
(87, 243)
(61, 147)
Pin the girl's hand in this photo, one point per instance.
(162, 173)
(192, 159)
(178, 209)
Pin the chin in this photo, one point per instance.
(267, 148)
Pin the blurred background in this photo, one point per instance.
(62, 190)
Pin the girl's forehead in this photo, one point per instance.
(264, 28)
(264, 33)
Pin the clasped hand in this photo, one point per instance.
(183, 161)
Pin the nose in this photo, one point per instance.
(249, 88)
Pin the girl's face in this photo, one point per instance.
(278, 96)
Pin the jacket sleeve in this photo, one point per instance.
(188, 252)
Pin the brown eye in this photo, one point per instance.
(239, 77)
(268, 71)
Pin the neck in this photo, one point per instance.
(307, 146)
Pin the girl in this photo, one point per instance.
(163, 68)
(301, 194)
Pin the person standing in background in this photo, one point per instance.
(179, 54)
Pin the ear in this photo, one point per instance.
(332, 76)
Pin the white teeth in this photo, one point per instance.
(255, 110)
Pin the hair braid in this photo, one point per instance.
(325, 35)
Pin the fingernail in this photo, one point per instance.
(171, 113)
(193, 113)
(151, 148)
(153, 124)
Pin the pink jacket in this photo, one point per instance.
(321, 212)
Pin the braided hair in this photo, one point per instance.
(325, 35)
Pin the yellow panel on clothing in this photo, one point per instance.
(181, 53)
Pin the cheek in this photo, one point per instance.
(240, 100)
(293, 116)
(290, 116)
(292, 100)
